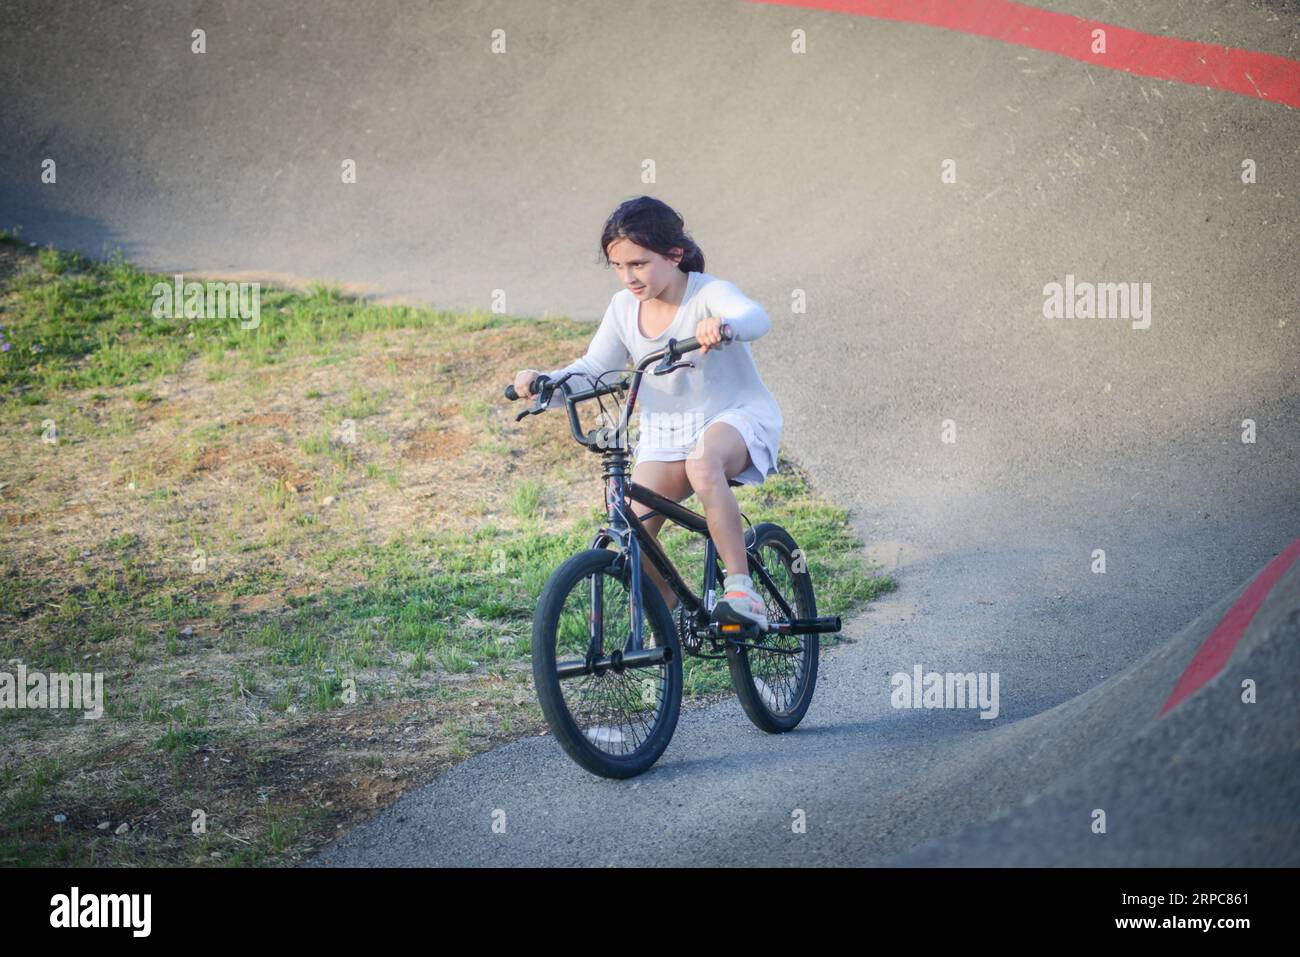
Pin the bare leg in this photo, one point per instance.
(720, 454)
(669, 480)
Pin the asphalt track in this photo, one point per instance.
(818, 172)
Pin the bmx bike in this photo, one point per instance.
(609, 686)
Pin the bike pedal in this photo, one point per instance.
(744, 632)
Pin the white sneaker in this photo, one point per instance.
(740, 604)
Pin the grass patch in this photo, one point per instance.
(75, 323)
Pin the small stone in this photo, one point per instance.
(60, 818)
(187, 631)
(327, 500)
(105, 825)
(122, 828)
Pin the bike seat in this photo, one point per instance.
(733, 482)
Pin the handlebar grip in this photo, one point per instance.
(690, 345)
(535, 386)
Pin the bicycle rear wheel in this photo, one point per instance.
(776, 687)
(614, 721)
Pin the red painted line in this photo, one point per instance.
(1217, 649)
(1247, 72)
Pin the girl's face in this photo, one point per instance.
(642, 270)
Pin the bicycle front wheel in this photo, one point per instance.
(613, 719)
(775, 686)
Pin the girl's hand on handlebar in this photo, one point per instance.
(709, 332)
(524, 381)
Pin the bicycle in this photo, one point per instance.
(611, 689)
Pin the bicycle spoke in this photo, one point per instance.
(610, 709)
(776, 676)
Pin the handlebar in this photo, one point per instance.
(680, 347)
(543, 387)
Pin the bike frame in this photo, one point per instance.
(634, 539)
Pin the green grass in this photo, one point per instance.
(77, 323)
(528, 498)
(23, 824)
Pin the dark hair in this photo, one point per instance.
(654, 225)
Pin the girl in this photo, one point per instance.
(698, 427)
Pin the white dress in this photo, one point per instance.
(673, 410)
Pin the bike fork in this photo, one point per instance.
(619, 531)
(636, 609)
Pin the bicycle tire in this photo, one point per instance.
(588, 741)
(777, 707)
